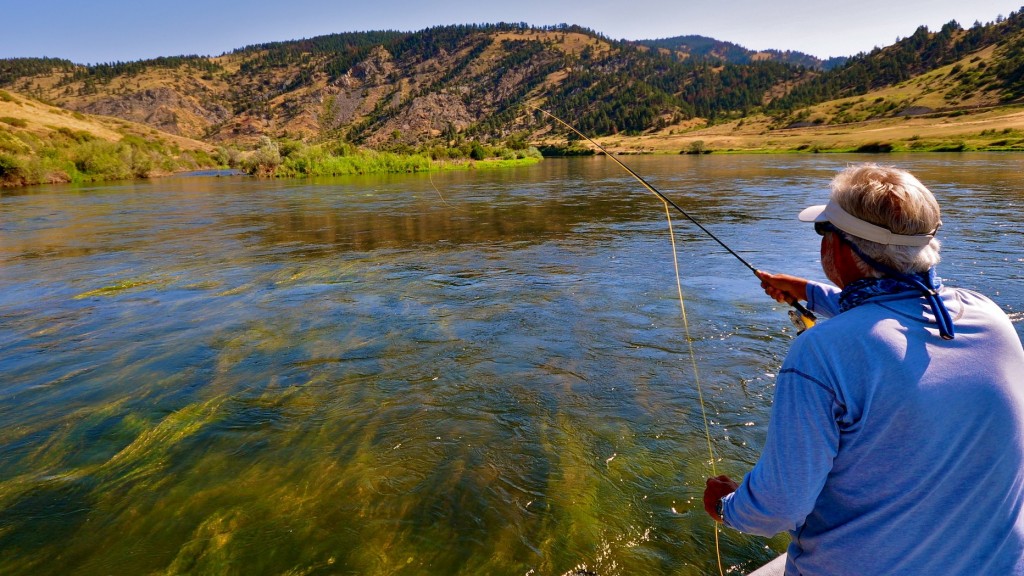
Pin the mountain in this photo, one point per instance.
(407, 90)
(383, 88)
(702, 47)
(987, 67)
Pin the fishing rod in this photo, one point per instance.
(801, 317)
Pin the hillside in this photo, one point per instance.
(438, 89)
(44, 143)
(970, 103)
(702, 47)
(385, 88)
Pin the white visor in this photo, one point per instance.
(854, 226)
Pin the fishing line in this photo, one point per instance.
(800, 315)
(441, 196)
(682, 302)
(696, 372)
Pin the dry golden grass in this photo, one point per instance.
(939, 89)
(970, 120)
(187, 84)
(231, 63)
(568, 42)
(42, 119)
(978, 130)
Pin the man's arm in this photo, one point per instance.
(803, 439)
(783, 288)
(822, 299)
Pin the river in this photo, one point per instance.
(480, 372)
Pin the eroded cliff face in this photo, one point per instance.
(428, 115)
(162, 108)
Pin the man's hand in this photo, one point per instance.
(717, 487)
(783, 287)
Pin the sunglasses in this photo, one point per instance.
(822, 227)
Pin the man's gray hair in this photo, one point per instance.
(896, 200)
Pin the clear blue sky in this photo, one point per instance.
(110, 30)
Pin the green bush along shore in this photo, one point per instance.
(292, 159)
(67, 155)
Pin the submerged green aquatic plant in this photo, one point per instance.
(114, 288)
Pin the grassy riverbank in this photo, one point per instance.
(77, 157)
(992, 129)
(290, 159)
(42, 144)
(69, 156)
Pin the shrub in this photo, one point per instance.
(16, 122)
(560, 151)
(67, 155)
(229, 157)
(518, 141)
(342, 148)
(11, 168)
(958, 146)
(51, 171)
(141, 163)
(438, 153)
(103, 160)
(304, 162)
(390, 162)
(265, 160)
(289, 147)
(697, 147)
(875, 148)
(203, 158)
(13, 143)
(80, 136)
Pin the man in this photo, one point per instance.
(896, 439)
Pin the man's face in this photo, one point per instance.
(829, 245)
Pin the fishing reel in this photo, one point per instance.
(801, 317)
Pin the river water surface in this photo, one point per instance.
(370, 376)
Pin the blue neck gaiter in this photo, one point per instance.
(926, 283)
(855, 293)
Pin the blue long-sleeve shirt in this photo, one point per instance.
(891, 451)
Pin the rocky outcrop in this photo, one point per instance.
(375, 69)
(425, 116)
(162, 108)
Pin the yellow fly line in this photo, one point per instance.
(696, 372)
(441, 196)
(682, 302)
